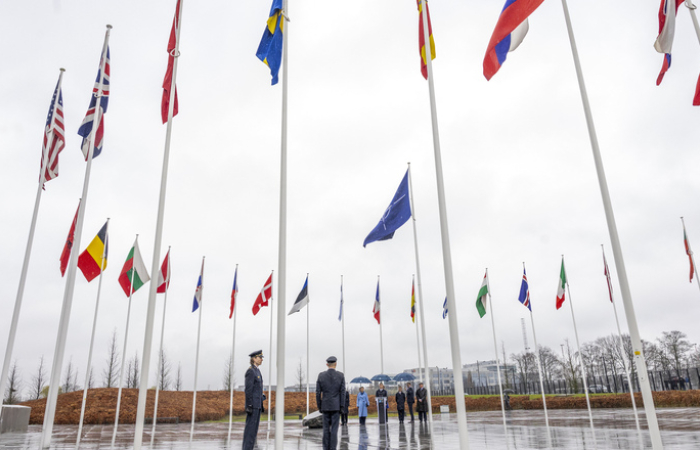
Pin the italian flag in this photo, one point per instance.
(134, 273)
(481, 297)
(562, 284)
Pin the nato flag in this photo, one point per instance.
(396, 214)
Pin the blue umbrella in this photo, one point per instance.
(360, 380)
(404, 376)
(381, 377)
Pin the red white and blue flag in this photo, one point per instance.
(54, 135)
(234, 291)
(198, 291)
(164, 275)
(667, 29)
(607, 277)
(377, 306)
(168, 80)
(510, 31)
(101, 85)
(524, 296)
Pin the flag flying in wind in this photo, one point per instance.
(302, 299)
(54, 135)
(377, 306)
(510, 31)
(688, 252)
(164, 275)
(481, 296)
(444, 309)
(234, 292)
(197, 301)
(396, 214)
(607, 277)
(421, 38)
(524, 296)
(413, 301)
(65, 254)
(561, 293)
(264, 297)
(667, 28)
(168, 80)
(101, 84)
(270, 48)
(340, 314)
(134, 273)
(90, 261)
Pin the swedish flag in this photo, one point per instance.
(270, 48)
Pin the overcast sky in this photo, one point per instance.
(519, 176)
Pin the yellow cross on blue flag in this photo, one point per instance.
(270, 48)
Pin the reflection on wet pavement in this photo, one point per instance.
(615, 429)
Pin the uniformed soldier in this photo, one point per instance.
(410, 399)
(330, 397)
(253, 400)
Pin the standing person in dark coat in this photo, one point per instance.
(345, 409)
(381, 392)
(400, 401)
(330, 398)
(422, 400)
(253, 400)
(410, 399)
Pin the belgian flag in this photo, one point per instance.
(89, 260)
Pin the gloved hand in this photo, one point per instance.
(249, 409)
(262, 408)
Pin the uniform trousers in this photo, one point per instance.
(330, 429)
(250, 434)
(410, 410)
(401, 414)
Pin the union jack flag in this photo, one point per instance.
(101, 85)
(54, 135)
(525, 292)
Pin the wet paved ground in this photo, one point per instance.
(570, 430)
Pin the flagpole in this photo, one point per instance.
(233, 349)
(446, 252)
(498, 362)
(691, 7)
(578, 347)
(160, 353)
(269, 372)
(308, 306)
(196, 359)
(342, 321)
(420, 366)
(692, 256)
(27, 254)
(92, 338)
(381, 342)
(421, 316)
(624, 356)
(617, 251)
(121, 369)
(151, 309)
(64, 321)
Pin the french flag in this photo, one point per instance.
(510, 31)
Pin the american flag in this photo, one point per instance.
(54, 135)
(101, 84)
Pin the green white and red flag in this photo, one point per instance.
(481, 297)
(561, 295)
(134, 273)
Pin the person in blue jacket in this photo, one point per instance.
(362, 404)
(253, 400)
(330, 399)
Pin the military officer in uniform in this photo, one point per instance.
(330, 398)
(253, 400)
(410, 399)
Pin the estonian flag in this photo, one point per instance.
(302, 298)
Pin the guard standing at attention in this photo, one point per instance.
(253, 400)
(330, 398)
(410, 399)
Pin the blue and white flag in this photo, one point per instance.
(340, 315)
(198, 292)
(396, 214)
(302, 299)
(524, 296)
(444, 309)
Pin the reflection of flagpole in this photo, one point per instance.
(421, 316)
(498, 362)
(55, 381)
(578, 347)
(617, 250)
(196, 359)
(159, 374)
(28, 252)
(92, 337)
(233, 348)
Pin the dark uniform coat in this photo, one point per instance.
(400, 400)
(253, 388)
(422, 396)
(330, 391)
(410, 397)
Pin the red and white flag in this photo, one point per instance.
(164, 274)
(65, 254)
(168, 80)
(607, 276)
(264, 297)
(376, 311)
(688, 252)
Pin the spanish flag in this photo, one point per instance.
(89, 260)
(421, 39)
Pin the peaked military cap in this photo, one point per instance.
(256, 353)
(331, 359)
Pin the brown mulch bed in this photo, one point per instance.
(214, 405)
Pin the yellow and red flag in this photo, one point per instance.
(421, 39)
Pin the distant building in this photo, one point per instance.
(441, 379)
(485, 374)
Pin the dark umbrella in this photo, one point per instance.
(360, 380)
(381, 377)
(404, 376)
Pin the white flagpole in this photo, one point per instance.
(121, 369)
(381, 342)
(92, 339)
(151, 309)
(233, 351)
(419, 300)
(27, 254)
(415, 313)
(623, 354)
(64, 321)
(691, 7)
(580, 359)
(269, 372)
(692, 256)
(498, 362)
(446, 252)
(282, 251)
(160, 354)
(617, 251)
(308, 305)
(196, 359)
(342, 321)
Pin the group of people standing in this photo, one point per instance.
(419, 397)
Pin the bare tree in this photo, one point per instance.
(91, 380)
(527, 366)
(38, 380)
(178, 377)
(227, 375)
(111, 372)
(12, 395)
(70, 381)
(675, 347)
(570, 366)
(300, 376)
(132, 372)
(163, 372)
